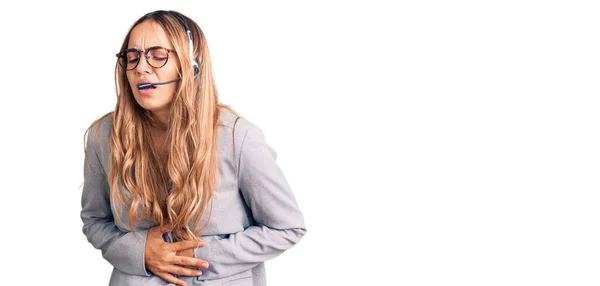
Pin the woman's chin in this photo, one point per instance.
(152, 106)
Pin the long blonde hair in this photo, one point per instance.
(136, 177)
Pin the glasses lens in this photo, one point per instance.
(129, 59)
(132, 58)
(158, 57)
(122, 59)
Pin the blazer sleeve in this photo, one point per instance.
(279, 224)
(124, 250)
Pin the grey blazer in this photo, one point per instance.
(255, 216)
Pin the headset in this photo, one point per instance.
(192, 60)
(189, 33)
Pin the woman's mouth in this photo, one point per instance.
(146, 90)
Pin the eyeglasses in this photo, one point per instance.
(156, 57)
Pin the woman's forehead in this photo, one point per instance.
(148, 34)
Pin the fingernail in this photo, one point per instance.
(205, 265)
(199, 273)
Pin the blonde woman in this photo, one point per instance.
(180, 190)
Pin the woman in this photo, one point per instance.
(179, 189)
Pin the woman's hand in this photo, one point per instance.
(165, 259)
(180, 235)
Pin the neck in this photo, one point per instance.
(161, 120)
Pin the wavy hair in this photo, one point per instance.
(138, 179)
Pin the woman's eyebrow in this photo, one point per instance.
(157, 47)
(149, 48)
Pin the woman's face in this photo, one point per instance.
(149, 37)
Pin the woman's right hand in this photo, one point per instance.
(165, 259)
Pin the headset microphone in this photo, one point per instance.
(150, 84)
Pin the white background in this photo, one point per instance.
(427, 142)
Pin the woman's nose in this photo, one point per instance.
(143, 66)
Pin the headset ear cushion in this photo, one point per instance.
(196, 68)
